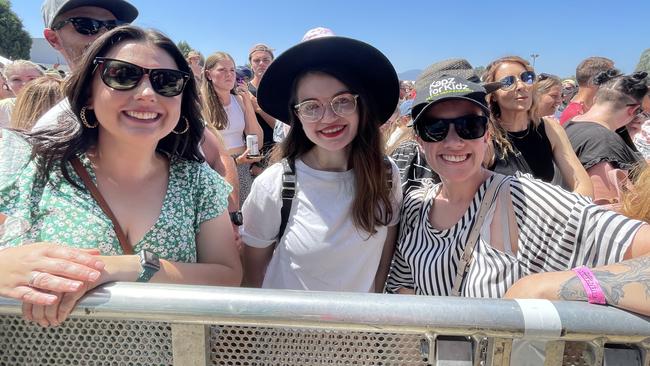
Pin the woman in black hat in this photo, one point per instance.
(335, 92)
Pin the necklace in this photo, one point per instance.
(515, 134)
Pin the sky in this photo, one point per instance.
(412, 34)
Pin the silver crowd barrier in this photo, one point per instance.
(150, 324)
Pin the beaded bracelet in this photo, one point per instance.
(594, 292)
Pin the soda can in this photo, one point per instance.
(251, 145)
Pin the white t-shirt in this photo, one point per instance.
(54, 115)
(321, 249)
(233, 134)
(6, 107)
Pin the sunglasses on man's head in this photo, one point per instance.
(122, 75)
(510, 81)
(88, 26)
(436, 129)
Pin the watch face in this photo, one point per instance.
(150, 259)
(237, 218)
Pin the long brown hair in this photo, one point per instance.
(214, 113)
(499, 134)
(372, 204)
(36, 98)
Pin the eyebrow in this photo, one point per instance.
(333, 96)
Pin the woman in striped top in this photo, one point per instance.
(531, 228)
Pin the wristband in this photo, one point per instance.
(594, 292)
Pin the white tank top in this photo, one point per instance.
(233, 135)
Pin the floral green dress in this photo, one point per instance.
(54, 210)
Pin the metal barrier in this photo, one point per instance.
(149, 324)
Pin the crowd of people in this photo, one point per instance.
(141, 165)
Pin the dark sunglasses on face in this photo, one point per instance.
(510, 82)
(436, 129)
(88, 26)
(122, 75)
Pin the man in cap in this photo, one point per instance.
(71, 26)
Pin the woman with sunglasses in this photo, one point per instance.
(128, 178)
(477, 233)
(340, 194)
(523, 142)
(227, 108)
(601, 150)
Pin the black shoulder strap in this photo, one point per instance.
(389, 173)
(288, 192)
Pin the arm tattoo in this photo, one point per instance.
(613, 284)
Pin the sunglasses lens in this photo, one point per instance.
(86, 26)
(120, 75)
(528, 77)
(168, 83)
(433, 130)
(471, 127)
(508, 82)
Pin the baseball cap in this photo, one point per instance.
(355, 63)
(405, 107)
(448, 88)
(121, 9)
(260, 47)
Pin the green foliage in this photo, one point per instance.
(644, 62)
(15, 42)
(183, 46)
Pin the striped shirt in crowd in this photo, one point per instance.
(412, 165)
(558, 230)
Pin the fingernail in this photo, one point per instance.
(94, 276)
(75, 285)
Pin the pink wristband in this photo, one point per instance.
(595, 294)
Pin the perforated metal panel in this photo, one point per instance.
(234, 345)
(85, 342)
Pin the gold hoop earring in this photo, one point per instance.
(187, 127)
(82, 115)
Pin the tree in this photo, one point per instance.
(183, 46)
(15, 42)
(644, 62)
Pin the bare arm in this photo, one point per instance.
(573, 172)
(605, 191)
(255, 262)
(267, 117)
(252, 127)
(386, 257)
(214, 144)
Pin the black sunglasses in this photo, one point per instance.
(88, 26)
(436, 129)
(122, 75)
(509, 82)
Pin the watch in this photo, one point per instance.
(150, 265)
(237, 218)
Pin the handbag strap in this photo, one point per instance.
(88, 182)
(465, 259)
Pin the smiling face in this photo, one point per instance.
(455, 159)
(332, 132)
(222, 75)
(517, 99)
(140, 115)
(549, 101)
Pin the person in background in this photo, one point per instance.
(71, 26)
(5, 92)
(593, 136)
(340, 227)
(136, 147)
(406, 91)
(36, 98)
(400, 130)
(548, 91)
(196, 62)
(529, 234)
(17, 74)
(522, 142)
(569, 90)
(585, 73)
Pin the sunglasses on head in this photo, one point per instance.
(88, 26)
(122, 75)
(510, 81)
(436, 129)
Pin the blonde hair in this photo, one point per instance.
(542, 87)
(212, 108)
(499, 134)
(636, 201)
(13, 67)
(36, 98)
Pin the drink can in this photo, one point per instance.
(251, 145)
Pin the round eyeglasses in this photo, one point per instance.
(312, 111)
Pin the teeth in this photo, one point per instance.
(142, 115)
(332, 130)
(454, 158)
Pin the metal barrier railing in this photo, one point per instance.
(151, 324)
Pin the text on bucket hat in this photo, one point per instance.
(448, 88)
(355, 63)
(121, 9)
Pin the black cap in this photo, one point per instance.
(355, 63)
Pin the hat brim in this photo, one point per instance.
(420, 109)
(121, 9)
(356, 62)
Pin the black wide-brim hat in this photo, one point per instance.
(356, 64)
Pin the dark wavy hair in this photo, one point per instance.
(372, 205)
(620, 89)
(59, 144)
